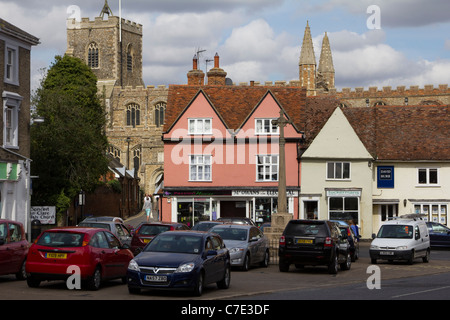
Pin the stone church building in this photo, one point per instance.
(136, 112)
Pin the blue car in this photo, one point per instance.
(180, 260)
(439, 234)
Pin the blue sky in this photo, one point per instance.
(260, 40)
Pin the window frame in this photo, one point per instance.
(11, 67)
(196, 128)
(427, 182)
(203, 165)
(334, 176)
(269, 165)
(272, 127)
(93, 56)
(11, 105)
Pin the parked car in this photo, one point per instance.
(181, 260)
(206, 225)
(313, 242)
(353, 240)
(405, 238)
(247, 244)
(97, 252)
(145, 232)
(237, 220)
(113, 224)
(13, 248)
(439, 234)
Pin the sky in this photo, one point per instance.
(374, 42)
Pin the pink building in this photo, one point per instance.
(221, 152)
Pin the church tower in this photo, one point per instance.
(325, 72)
(307, 64)
(110, 47)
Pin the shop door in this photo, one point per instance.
(233, 209)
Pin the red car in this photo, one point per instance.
(96, 251)
(13, 248)
(145, 233)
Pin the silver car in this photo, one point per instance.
(114, 225)
(247, 244)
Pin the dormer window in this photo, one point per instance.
(200, 126)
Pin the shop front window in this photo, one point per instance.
(190, 211)
(344, 208)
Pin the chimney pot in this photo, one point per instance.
(216, 61)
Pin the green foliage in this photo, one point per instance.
(69, 149)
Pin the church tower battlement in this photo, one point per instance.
(111, 47)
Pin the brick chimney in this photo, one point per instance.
(195, 77)
(216, 75)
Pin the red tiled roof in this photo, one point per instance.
(403, 132)
(236, 103)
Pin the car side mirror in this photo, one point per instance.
(253, 239)
(374, 235)
(2, 241)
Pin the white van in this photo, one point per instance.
(405, 238)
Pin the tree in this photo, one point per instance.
(69, 148)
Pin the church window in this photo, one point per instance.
(133, 115)
(129, 59)
(160, 110)
(93, 55)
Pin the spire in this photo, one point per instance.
(307, 52)
(325, 77)
(326, 59)
(106, 10)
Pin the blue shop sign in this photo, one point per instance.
(385, 177)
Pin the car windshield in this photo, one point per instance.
(396, 231)
(147, 230)
(175, 243)
(95, 225)
(306, 229)
(61, 239)
(231, 233)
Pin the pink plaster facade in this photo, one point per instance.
(233, 177)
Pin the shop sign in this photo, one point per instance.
(385, 177)
(343, 193)
(262, 193)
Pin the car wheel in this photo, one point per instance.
(22, 274)
(427, 256)
(246, 265)
(198, 288)
(266, 260)
(94, 282)
(225, 282)
(333, 266)
(348, 263)
(33, 283)
(283, 266)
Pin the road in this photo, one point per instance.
(268, 283)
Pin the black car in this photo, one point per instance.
(181, 260)
(313, 242)
(439, 234)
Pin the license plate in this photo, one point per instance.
(156, 278)
(386, 253)
(147, 240)
(304, 241)
(56, 255)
